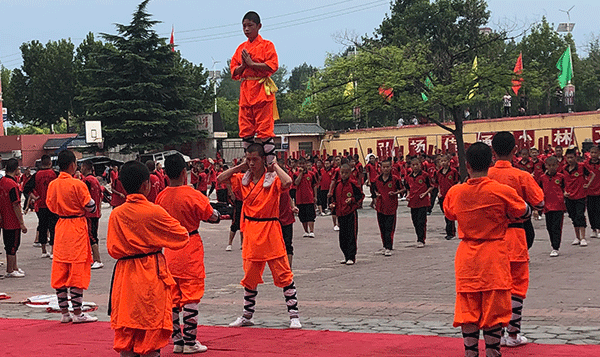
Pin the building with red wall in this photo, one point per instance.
(27, 148)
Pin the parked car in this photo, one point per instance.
(159, 157)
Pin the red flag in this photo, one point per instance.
(172, 40)
(386, 93)
(516, 83)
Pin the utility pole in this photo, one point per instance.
(214, 76)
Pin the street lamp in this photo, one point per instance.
(214, 76)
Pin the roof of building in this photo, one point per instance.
(72, 143)
(298, 129)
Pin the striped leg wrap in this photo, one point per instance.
(491, 337)
(63, 299)
(247, 142)
(514, 326)
(470, 334)
(176, 335)
(76, 298)
(269, 148)
(249, 302)
(190, 323)
(289, 292)
(151, 354)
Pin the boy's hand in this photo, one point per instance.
(348, 200)
(246, 59)
(422, 195)
(23, 228)
(332, 205)
(586, 186)
(295, 210)
(567, 195)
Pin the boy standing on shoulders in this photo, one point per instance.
(482, 267)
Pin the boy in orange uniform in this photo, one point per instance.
(263, 240)
(482, 267)
(70, 199)
(189, 207)
(527, 188)
(253, 63)
(140, 299)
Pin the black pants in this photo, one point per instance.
(288, 233)
(593, 208)
(554, 225)
(348, 235)
(372, 190)
(387, 227)
(450, 226)
(222, 195)
(506, 111)
(293, 194)
(432, 196)
(12, 240)
(529, 232)
(93, 229)
(237, 216)
(46, 222)
(419, 219)
(576, 210)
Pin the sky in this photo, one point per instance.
(208, 32)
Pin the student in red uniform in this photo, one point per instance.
(482, 208)
(221, 188)
(335, 175)
(552, 183)
(189, 207)
(155, 181)
(69, 198)
(445, 178)
(418, 184)
(11, 217)
(503, 145)
(346, 199)
(372, 170)
(325, 175)
(387, 189)
(558, 152)
(577, 181)
(118, 194)
(286, 219)
(525, 163)
(93, 218)
(593, 193)
(359, 169)
(292, 171)
(203, 180)
(46, 219)
(235, 196)
(538, 171)
(305, 198)
(263, 240)
(194, 173)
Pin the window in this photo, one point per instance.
(307, 146)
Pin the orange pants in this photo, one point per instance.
(257, 119)
(280, 269)
(140, 341)
(187, 291)
(73, 275)
(483, 308)
(519, 272)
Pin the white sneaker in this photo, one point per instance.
(177, 348)
(196, 348)
(241, 322)
(503, 340)
(343, 261)
(554, 253)
(594, 234)
(46, 255)
(65, 319)
(350, 262)
(14, 274)
(20, 271)
(575, 242)
(246, 178)
(305, 235)
(228, 248)
(336, 228)
(83, 318)
(583, 243)
(97, 265)
(420, 244)
(295, 323)
(311, 235)
(387, 253)
(269, 179)
(517, 341)
(402, 198)
(37, 245)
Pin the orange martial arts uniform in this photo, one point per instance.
(71, 264)
(141, 297)
(189, 207)
(263, 240)
(531, 192)
(482, 265)
(257, 104)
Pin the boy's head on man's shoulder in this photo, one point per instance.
(479, 158)
(67, 162)
(134, 177)
(251, 25)
(504, 144)
(255, 158)
(175, 166)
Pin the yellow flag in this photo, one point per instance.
(476, 85)
(349, 90)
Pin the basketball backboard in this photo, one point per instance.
(93, 132)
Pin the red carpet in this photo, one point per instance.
(50, 338)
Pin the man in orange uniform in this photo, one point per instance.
(141, 301)
(504, 148)
(189, 206)
(253, 63)
(70, 199)
(263, 240)
(482, 267)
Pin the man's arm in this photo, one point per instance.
(225, 176)
(286, 180)
(16, 200)
(299, 177)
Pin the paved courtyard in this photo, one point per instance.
(411, 292)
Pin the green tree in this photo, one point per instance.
(588, 79)
(299, 76)
(141, 93)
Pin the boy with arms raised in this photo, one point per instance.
(482, 266)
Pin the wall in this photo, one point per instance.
(31, 146)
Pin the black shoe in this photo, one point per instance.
(449, 237)
(429, 213)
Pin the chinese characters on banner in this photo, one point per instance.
(525, 139)
(385, 148)
(562, 137)
(417, 145)
(596, 135)
(448, 144)
(485, 138)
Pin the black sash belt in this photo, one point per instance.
(261, 219)
(70, 217)
(193, 232)
(112, 279)
(516, 225)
